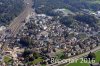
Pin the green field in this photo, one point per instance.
(78, 64)
(36, 61)
(98, 56)
(7, 59)
(85, 64)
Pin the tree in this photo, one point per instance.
(26, 55)
(73, 5)
(9, 9)
(36, 55)
(26, 41)
(91, 56)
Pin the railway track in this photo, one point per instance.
(17, 24)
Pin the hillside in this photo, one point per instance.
(9, 9)
(46, 6)
(78, 7)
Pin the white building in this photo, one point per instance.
(2, 28)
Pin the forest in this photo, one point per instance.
(10, 9)
(46, 6)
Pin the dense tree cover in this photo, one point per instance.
(83, 4)
(26, 41)
(88, 19)
(67, 20)
(9, 9)
(91, 56)
(31, 58)
(28, 55)
(78, 19)
(46, 6)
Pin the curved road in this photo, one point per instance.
(74, 58)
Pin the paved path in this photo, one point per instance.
(75, 57)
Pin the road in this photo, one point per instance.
(17, 24)
(74, 58)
